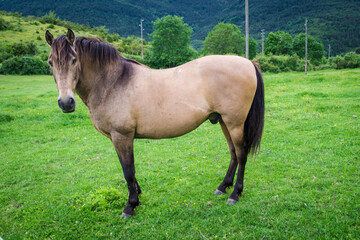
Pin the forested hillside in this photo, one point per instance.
(330, 21)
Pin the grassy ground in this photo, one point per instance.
(60, 179)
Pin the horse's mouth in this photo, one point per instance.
(68, 110)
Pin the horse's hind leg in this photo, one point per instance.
(241, 155)
(229, 177)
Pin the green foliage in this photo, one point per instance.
(131, 45)
(225, 38)
(315, 49)
(103, 199)
(284, 63)
(50, 18)
(24, 66)
(4, 25)
(17, 49)
(252, 48)
(325, 22)
(170, 44)
(278, 43)
(349, 60)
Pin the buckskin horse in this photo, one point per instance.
(128, 100)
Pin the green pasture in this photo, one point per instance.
(60, 179)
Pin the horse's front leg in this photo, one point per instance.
(124, 148)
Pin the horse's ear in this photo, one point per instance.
(70, 36)
(49, 38)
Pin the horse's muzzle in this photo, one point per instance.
(67, 105)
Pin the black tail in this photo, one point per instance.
(254, 123)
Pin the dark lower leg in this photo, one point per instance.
(229, 177)
(239, 185)
(133, 188)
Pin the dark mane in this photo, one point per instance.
(95, 49)
(98, 50)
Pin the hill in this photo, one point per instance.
(330, 21)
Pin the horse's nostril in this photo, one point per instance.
(59, 103)
(72, 101)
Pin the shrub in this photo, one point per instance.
(24, 66)
(283, 63)
(349, 60)
(4, 25)
(17, 49)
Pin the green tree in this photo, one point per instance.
(252, 48)
(278, 43)
(225, 38)
(315, 49)
(170, 44)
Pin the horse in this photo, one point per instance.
(128, 100)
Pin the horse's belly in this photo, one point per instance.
(170, 124)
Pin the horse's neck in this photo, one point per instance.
(95, 82)
(87, 82)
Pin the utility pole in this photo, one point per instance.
(142, 46)
(306, 47)
(247, 28)
(262, 40)
(329, 53)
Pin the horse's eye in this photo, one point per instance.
(74, 61)
(50, 63)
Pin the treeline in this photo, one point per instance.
(170, 46)
(171, 38)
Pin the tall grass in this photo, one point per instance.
(60, 179)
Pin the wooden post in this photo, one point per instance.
(247, 28)
(262, 41)
(306, 47)
(142, 46)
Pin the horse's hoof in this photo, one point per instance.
(231, 201)
(218, 192)
(124, 215)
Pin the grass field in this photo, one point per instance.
(60, 179)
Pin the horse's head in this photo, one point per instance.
(65, 67)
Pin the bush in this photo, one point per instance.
(349, 60)
(4, 25)
(283, 63)
(24, 66)
(17, 49)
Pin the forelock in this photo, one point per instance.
(62, 51)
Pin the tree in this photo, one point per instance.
(315, 49)
(278, 43)
(170, 44)
(225, 38)
(252, 48)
